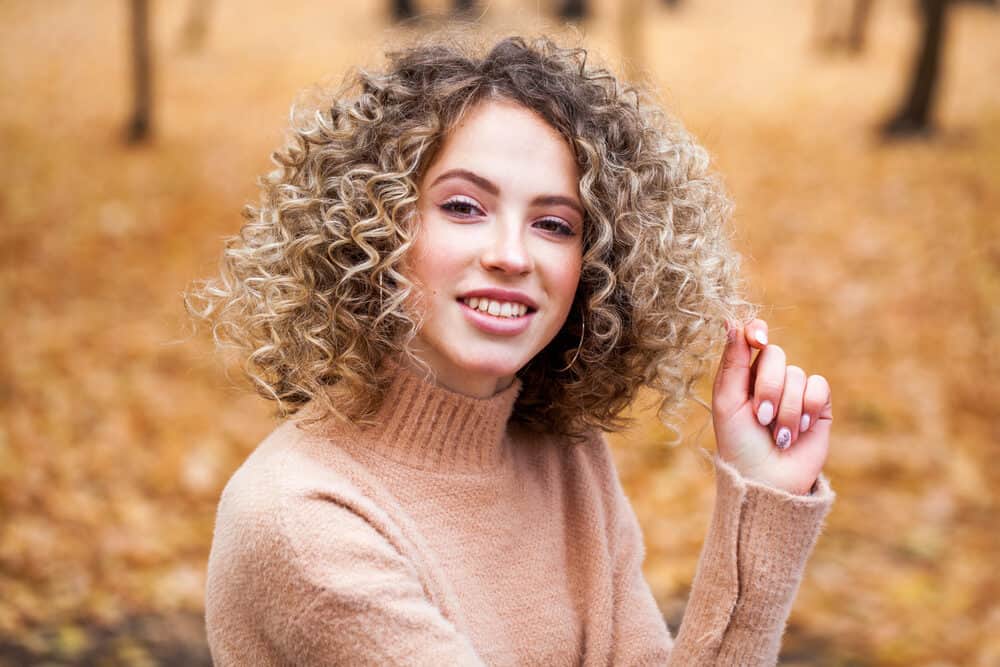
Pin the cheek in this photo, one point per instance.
(435, 260)
(565, 277)
(432, 265)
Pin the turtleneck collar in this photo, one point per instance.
(424, 425)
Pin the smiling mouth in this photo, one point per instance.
(499, 309)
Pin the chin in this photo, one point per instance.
(492, 362)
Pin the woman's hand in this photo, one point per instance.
(772, 423)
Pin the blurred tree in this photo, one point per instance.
(631, 37)
(403, 10)
(576, 10)
(914, 114)
(573, 10)
(463, 6)
(141, 123)
(841, 25)
(195, 27)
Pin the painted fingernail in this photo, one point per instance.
(765, 413)
(804, 423)
(761, 336)
(784, 437)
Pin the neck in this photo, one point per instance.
(468, 384)
(426, 425)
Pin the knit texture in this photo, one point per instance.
(449, 535)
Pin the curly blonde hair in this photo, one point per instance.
(311, 292)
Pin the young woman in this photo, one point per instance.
(462, 271)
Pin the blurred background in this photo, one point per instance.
(860, 140)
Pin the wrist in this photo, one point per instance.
(772, 479)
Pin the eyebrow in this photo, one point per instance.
(489, 186)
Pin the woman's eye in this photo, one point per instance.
(556, 226)
(461, 207)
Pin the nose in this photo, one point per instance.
(506, 250)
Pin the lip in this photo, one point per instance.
(501, 294)
(499, 326)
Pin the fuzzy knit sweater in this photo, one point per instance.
(449, 535)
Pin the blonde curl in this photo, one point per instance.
(312, 295)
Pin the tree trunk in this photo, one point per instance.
(841, 25)
(630, 30)
(463, 8)
(573, 10)
(860, 10)
(402, 10)
(140, 126)
(914, 116)
(195, 27)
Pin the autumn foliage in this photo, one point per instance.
(878, 265)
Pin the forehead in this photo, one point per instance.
(510, 145)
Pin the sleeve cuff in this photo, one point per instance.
(752, 562)
(773, 521)
(820, 493)
(776, 534)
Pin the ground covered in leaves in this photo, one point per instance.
(877, 264)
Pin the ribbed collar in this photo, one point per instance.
(424, 425)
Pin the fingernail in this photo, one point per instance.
(784, 437)
(761, 336)
(765, 413)
(804, 423)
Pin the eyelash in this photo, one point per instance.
(450, 206)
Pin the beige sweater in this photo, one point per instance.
(447, 535)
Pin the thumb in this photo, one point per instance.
(732, 379)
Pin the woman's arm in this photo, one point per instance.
(771, 500)
(751, 564)
(749, 573)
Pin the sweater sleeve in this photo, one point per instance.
(750, 568)
(749, 572)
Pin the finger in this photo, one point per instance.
(732, 380)
(754, 365)
(786, 428)
(756, 333)
(817, 402)
(769, 383)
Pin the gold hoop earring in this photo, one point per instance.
(583, 330)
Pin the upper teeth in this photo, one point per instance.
(496, 308)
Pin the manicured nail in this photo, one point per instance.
(804, 423)
(765, 413)
(784, 437)
(761, 336)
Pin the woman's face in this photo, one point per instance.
(498, 247)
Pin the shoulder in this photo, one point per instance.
(283, 467)
(305, 561)
(299, 497)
